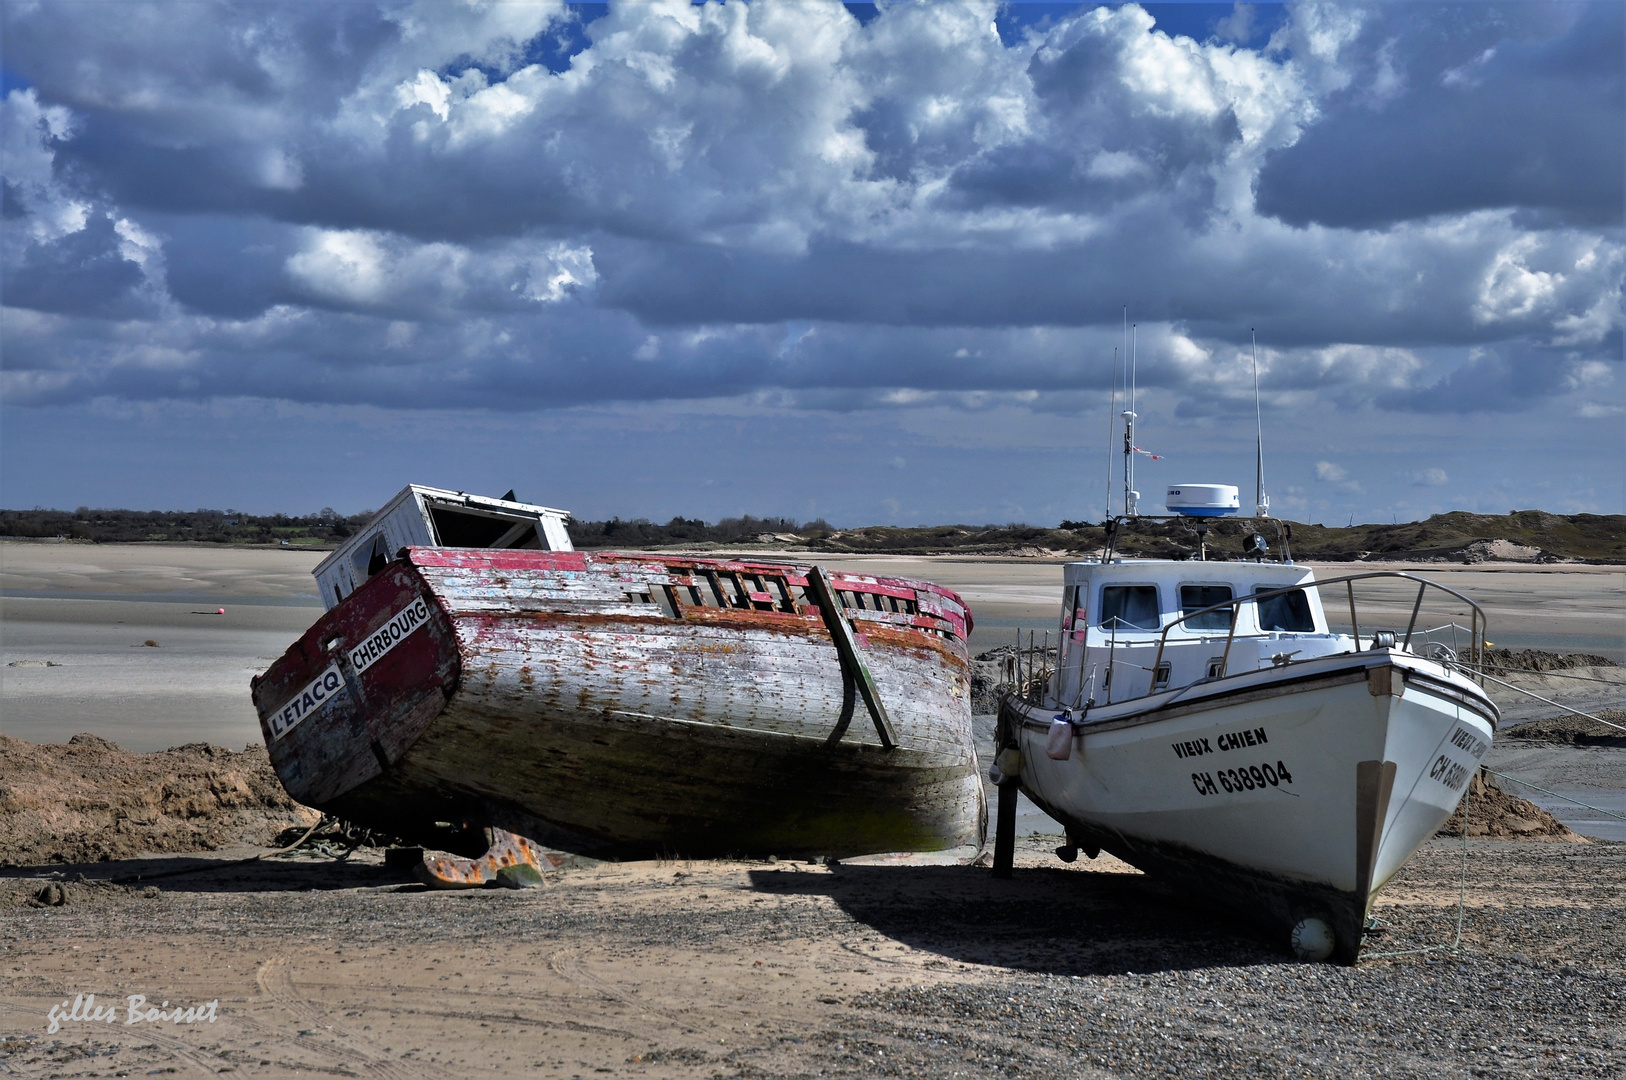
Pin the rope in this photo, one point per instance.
(1533, 671)
(1550, 701)
(1462, 898)
(1556, 795)
(1462, 885)
(131, 879)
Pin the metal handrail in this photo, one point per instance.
(1477, 621)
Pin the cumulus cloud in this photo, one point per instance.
(1453, 108)
(1432, 477)
(1328, 472)
(1418, 207)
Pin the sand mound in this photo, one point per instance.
(1572, 730)
(89, 800)
(1501, 661)
(1500, 550)
(1492, 812)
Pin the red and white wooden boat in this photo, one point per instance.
(632, 705)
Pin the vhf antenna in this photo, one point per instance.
(1131, 496)
(1112, 421)
(1260, 499)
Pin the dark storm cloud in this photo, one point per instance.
(432, 205)
(82, 273)
(1461, 110)
(227, 266)
(1490, 381)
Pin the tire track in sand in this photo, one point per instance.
(277, 984)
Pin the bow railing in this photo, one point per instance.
(1381, 638)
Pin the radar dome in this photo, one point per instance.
(1202, 500)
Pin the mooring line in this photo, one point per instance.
(1556, 795)
(1462, 899)
(1556, 705)
(1548, 674)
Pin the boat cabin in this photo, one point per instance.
(433, 517)
(1115, 614)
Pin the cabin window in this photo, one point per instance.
(372, 558)
(1197, 597)
(1130, 607)
(463, 529)
(1288, 612)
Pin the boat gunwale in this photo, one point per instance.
(938, 611)
(1241, 694)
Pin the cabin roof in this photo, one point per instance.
(1173, 571)
(498, 507)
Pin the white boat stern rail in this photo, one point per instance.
(1476, 629)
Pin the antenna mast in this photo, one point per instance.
(1261, 500)
(1112, 420)
(1131, 496)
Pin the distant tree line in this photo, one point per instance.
(202, 526)
(641, 532)
(1447, 537)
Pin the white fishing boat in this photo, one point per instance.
(1202, 721)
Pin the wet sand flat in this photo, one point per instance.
(74, 619)
(147, 569)
(89, 607)
(70, 666)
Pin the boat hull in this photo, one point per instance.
(1280, 796)
(547, 695)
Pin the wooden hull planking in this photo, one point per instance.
(632, 705)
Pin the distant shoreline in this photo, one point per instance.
(809, 554)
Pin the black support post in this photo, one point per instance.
(1005, 828)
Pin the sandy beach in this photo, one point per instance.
(679, 968)
(759, 970)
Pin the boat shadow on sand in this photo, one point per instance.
(1043, 920)
(1053, 920)
(204, 874)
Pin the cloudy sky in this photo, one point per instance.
(866, 262)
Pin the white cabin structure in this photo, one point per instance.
(434, 517)
(1115, 614)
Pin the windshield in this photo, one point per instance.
(1197, 597)
(1130, 607)
(1288, 612)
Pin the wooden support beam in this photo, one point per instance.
(852, 663)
